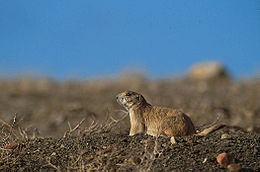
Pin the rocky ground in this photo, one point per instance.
(78, 126)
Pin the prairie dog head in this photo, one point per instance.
(129, 99)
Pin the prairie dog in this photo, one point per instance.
(157, 121)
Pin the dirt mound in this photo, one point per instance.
(108, 151)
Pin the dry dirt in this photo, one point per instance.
(78, 126)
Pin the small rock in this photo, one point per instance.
(234, 168)
(224, 159)
(250, 129)
(134, 160)
(173, 141)
(225, 136)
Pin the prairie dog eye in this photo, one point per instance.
(128, 94)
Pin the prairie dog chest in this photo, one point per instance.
(135, 116)
(130, 115)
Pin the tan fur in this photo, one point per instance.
(154, 120)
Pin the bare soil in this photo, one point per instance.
(78, 126)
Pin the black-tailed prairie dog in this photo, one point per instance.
(157, 121)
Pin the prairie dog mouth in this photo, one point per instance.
(128, 99)
(121, 102)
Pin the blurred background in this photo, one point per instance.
(64, 61)
(86, 39)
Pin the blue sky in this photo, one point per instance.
(83, 39)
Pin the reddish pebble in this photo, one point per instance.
(224, 159)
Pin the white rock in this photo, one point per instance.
(173, 141)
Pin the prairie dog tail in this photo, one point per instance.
(213, 127)
(210, 130)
